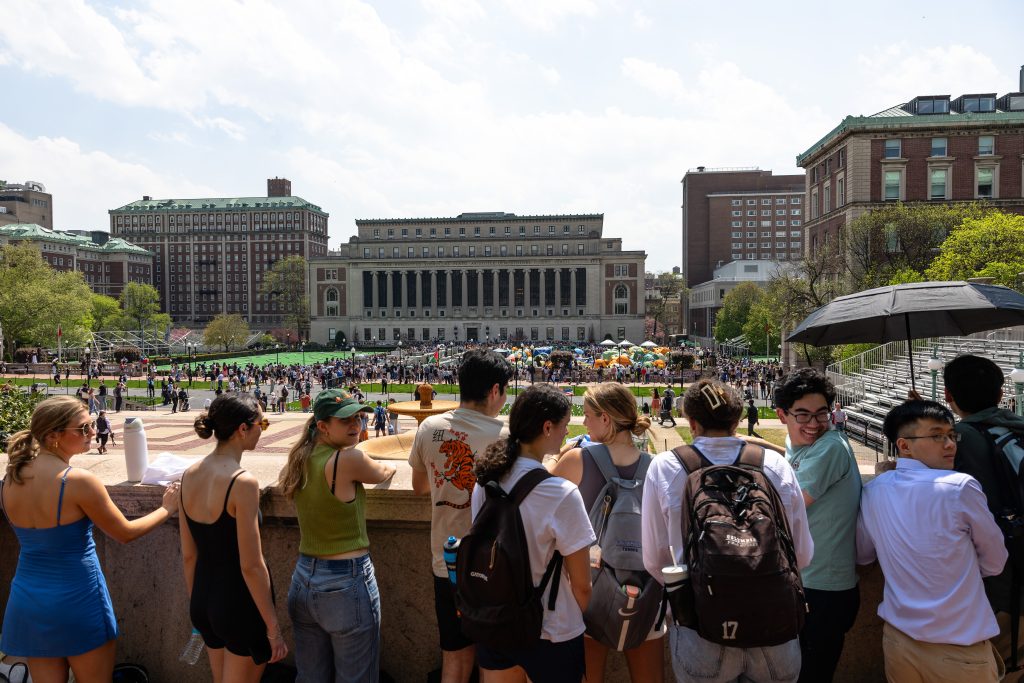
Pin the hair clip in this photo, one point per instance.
(714, 397)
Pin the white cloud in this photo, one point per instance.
(641, 21)
(547, 15)
(663, 82)
(550, 75)
(894, 74)
(85, 184)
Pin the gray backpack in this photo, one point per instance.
(626, 602)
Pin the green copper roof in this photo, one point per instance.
(34, 232)
(890, 120)
(220, 204)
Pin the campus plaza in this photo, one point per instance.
(147, 584)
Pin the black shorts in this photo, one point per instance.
(547, 662)
(449, 625)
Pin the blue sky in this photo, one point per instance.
(416, 108)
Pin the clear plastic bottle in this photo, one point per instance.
(193, 648)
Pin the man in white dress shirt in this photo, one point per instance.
(930, 529)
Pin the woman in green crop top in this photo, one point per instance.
(333, 600)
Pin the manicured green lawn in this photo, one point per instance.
(776, 435)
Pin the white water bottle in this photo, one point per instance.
(136, 450)
(193, 648)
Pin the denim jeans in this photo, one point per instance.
(335, 611)
(695, 660)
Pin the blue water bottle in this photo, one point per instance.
(451, 551)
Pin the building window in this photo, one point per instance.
(737, 224)
(621, 300)
(737, 213)
(892, 185)
(621, 270)
(826, 197)
(937, 186)
(737, 234)
(893, 149)
(986, 145)
(840, 192)
(939, 147)
(794, 200)
(735, 202)
(985, 178)
(814, 203)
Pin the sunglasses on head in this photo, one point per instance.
(264, 423)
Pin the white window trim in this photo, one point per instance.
(995, 178)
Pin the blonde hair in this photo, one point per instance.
(49, 416)
(615, 401)
(293, 475)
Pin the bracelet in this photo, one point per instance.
(279, 636)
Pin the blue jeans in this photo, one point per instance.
(335, 611)
(695, 660)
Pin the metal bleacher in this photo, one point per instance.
(870, 384)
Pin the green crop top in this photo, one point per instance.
(328, 526)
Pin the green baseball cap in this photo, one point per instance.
(337, 403)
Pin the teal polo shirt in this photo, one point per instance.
(827, 471)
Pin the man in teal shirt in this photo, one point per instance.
(830, 480)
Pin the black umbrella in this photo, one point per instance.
(918, 310)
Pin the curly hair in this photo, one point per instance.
(534, 407)
(800, 383)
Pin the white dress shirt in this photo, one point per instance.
(933, 534)
(663, 502)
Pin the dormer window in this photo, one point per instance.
(976, 103)
(930, 105)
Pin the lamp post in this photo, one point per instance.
(302, 347)
(400, 373)
(1017, 377)
(88, 366)
(277, 353)
(934, 364)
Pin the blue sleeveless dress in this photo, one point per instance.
(59, 604)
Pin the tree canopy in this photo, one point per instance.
(669, 286)
(140, 303)
(285, 284)
(891, 244)
(988, 246)
(227, 330)
(735, 310)
(35, 299)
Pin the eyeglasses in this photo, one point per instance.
(85, 429)
(803, 418)
(937, 438)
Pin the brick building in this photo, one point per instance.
(211, 253)
(933, 148)
(734, 214)
(478, 276)
(27, 202)
(107, 263)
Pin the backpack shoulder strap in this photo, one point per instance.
(527, 483)
(752, 456)
(691, 458)
(603, 460)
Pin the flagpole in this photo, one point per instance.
(59, 343)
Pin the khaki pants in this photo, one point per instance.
(1002, 645)
(912, 661)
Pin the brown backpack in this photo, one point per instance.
(740, 553)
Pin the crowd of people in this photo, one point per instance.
(546, 553)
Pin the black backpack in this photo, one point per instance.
(746, 585)
(494, 591)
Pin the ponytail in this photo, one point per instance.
(497, 460)
(293, 475)
(22, 448)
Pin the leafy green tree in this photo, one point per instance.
(285, 285)
(735, 310)
(106, 313)
(762, 328)
(989, 246)
(227, 330)
(35, 300)
(904, 276)
(889, 242)
(140, 303)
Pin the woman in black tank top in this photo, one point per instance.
(612, 420)
(231, 600)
